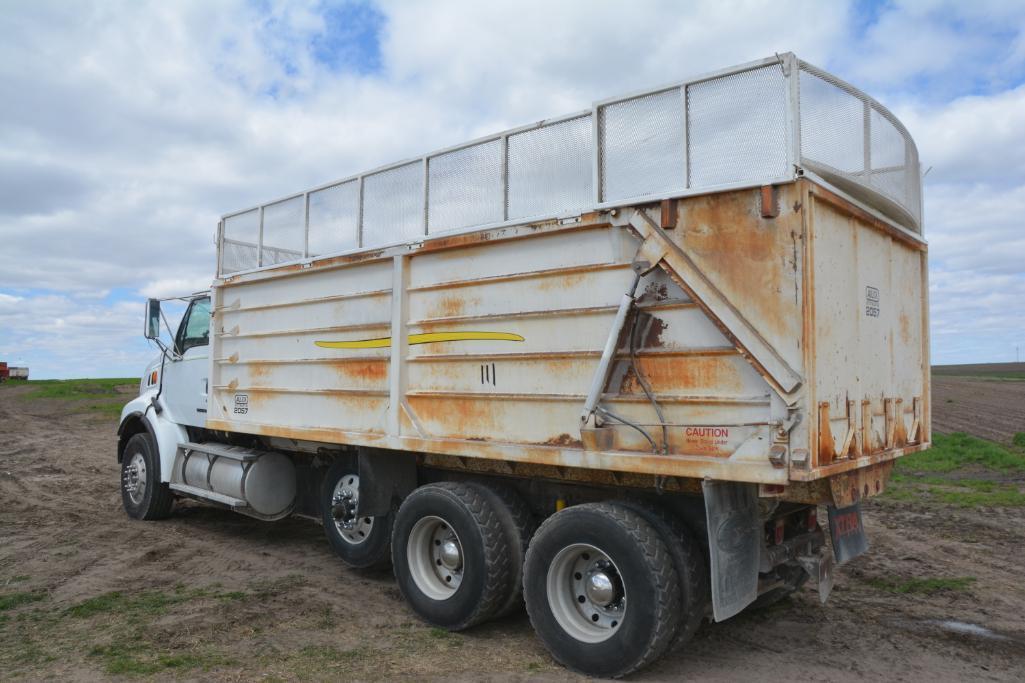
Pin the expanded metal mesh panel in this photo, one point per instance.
(272, 255)
(832, 125)
(466, 187)
(550, 169)
(737, 127)
(334, 218)
(734, 129)
(393, 205)
(284, 231)
(850, 140)
(236, 256)
(241, 234)
(642, 146)
(888, 155)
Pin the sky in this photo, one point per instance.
(128, 128)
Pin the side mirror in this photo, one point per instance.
(152, 330)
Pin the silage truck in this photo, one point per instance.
(609, 364)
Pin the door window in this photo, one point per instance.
(195, 327)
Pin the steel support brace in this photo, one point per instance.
(400, 343)
(682, 269)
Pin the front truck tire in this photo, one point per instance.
(451, 554)
(143, 495)
(601, 589)
(360, 542)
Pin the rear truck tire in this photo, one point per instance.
(450, 554)
(360, 542)
(689, 561)
(601, 589)
(143, 495)
(519, 524)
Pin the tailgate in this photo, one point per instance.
(867, 337)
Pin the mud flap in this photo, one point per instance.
(847, 532)
(820, 569)
(384, 476)
(734, 545)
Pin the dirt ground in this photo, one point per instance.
(86, 593)
(991, 409)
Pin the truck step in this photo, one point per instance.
(223, 450)
(208, 495)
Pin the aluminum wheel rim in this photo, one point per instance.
(135, 478)
(344, 499)
(434, 554)
(586, 593)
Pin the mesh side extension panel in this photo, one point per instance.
(283, 231)
(334, 218)
(236, 256)
(832, 126)
(465, 187)
(550, 169)
(642, 146)
(737, 127)
(889, 159)
(241, 234)
(393, 205)
(835, 120)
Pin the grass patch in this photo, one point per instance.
(1000, 371)
(146, 603)
(97, 396)
(153, 603)
(1019, 439)
(961, 470)
(12, 600)
(950, 452)
(73, 389)
(922, 586)
(136, 659)
(111, 409)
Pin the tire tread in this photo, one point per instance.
(658, 560)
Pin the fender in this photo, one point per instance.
(166, 434)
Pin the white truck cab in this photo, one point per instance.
(172, 397)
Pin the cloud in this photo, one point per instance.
(128, 128)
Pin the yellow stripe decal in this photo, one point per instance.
(426, 338)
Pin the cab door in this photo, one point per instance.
(184, 392)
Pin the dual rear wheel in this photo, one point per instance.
(458, 550)
(609, 587)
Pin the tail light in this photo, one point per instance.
(813, 520)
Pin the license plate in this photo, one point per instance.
(848, 533)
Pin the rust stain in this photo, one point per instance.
(366, 372)
(656, 291)
(258, 373)
(863, 216)
(562, 282)
(827, 445)
(649, 332)
(461, 418)
(905, 328)
(747, 257)
(673, 375)
(565, 441)
(451, 306)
